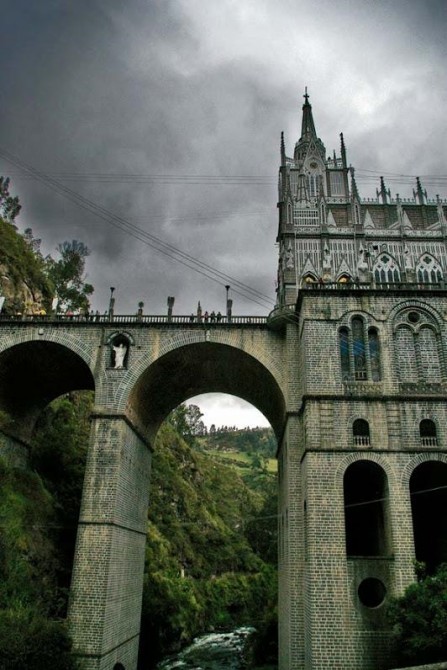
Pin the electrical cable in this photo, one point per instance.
(147, 238)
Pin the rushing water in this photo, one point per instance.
(215, 651)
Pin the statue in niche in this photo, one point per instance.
(289, 258)
(362, 264)
(408, 263)
(120, 352)
(327, 259)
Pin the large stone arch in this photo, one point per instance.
(203, 367)
(113, 521)
(32, 374)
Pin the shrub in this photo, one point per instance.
(30, 641)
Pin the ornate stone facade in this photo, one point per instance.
(363, 462)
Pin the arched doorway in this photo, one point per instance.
(428, 490)
(366, 510)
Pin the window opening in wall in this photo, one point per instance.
(359, 352)
(343, 335)
(358, 337)
(428, 270)
(427, 432)
(374, 354)
(386, 270)
(366, 510)
(371, 592)
(360, 430)
(304, 216)
(428, 490)
(418, 347)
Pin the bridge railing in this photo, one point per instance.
(135, 319)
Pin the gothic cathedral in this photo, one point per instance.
(362, 297)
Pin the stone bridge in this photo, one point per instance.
(167, 361)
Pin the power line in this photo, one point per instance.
(208, 178)
(147, 238)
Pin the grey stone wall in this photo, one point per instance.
(105, 603)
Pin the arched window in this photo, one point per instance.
(386, 270)
(309, 279)
(428, 490)
(428, 270)
(366, 510)
(374, 353)
(313, 185)
(428, 347)
(406, 355)
(427, 432)
(418, 348)
(359, 351)
(360, 431)
(358, 340)
(343, 335)
(344, 279)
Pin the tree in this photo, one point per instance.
(419, 620)
(187, 420)
(9, 206)
(67, 275)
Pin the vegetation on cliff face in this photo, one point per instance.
(29, 281)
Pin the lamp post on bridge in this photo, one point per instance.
(229, 304)
(171, 301)
(111, 303)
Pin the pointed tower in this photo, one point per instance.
(311, 189)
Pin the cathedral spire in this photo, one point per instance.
(308, 137)
(283, 150)
(343, 151)
(420, 194)
(384, 193)
(307, 124)
(354, 190)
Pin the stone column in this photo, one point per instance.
(328, 628)
(105, 598)
(291, 552)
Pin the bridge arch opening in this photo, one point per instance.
(34, 373)
(366, 510)
(205, 367)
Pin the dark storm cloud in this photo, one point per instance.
(200, 88)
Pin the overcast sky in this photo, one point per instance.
(170, 90)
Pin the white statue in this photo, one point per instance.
(289, 258)
(120, 354)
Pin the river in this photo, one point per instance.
(214, 651)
